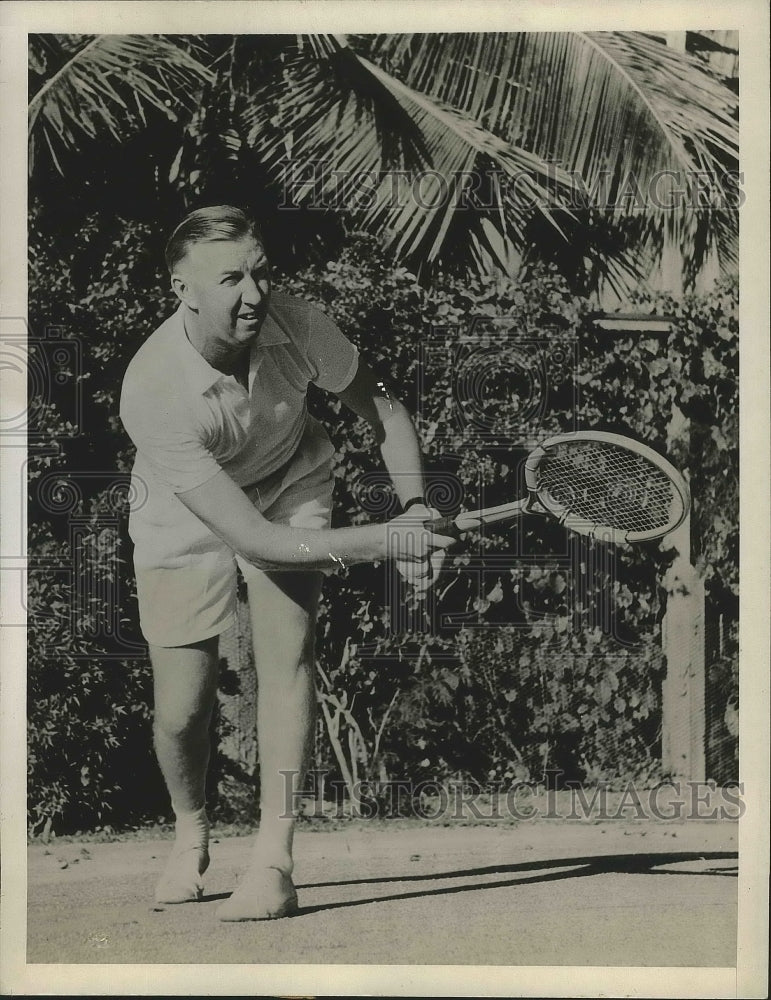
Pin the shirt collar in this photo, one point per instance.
(201, 374)
(273, 330)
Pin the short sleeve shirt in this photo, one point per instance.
(189, 421)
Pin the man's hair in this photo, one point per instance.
(208, 225)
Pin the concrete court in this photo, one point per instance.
(544, 893)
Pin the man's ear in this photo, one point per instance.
(183, 291)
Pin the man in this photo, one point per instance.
(232, 469)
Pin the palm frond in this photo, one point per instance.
(323, 95)
(106, 84)
(346, 128)
(610, 107)
(574, 117)
(591, 101)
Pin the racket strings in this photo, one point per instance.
(609, 485)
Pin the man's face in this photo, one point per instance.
(228, 285)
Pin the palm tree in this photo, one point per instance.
(592, 121)
(90, 87)
(457, 150)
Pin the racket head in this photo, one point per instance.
(607, 486)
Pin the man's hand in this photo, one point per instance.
(418, 553)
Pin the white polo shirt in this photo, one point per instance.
(189, 421)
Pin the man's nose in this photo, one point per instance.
(254, 291)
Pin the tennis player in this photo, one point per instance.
(230, 470)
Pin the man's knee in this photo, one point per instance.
(171, 723)
(279, 662)
(185, 681)
(283, 610)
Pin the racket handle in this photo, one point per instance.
(443, 526)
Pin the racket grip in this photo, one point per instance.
(443, 526)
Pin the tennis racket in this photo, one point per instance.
(605, 486)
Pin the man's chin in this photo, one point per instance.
(248, 329)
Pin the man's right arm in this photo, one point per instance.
(225, 509)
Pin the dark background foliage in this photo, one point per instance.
(502, 675)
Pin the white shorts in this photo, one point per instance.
(192, 596)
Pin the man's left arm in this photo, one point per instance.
(372, 399)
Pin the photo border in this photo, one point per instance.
(749, 979)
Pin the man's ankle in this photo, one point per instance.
(266, 854)
(192, 828)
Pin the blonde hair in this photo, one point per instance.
(208, 225)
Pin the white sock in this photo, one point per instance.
(271, 852)
(192, 829)
(180, 881)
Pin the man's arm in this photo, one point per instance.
(372, 400)
(224, 508)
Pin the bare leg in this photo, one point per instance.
(283, 610)
(185, 681)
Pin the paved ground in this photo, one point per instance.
(549, 893)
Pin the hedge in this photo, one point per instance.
(505, 673)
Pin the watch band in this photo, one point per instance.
(412, 501)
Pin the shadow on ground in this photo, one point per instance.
(545, 895)
(586, 867)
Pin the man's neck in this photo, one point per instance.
(226, 359)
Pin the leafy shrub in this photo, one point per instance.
(90, 760)
(90, 739)
(524, 677)
(448, 718)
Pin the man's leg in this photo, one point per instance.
(185, 681)
(283, 609)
